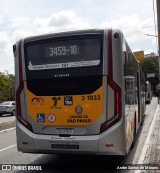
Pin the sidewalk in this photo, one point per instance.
(7, 125)
(153, 151)
(152, 145)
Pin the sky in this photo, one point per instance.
(23, 18)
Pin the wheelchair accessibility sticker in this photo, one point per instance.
(40, 117)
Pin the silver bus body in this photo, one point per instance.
(103, 120)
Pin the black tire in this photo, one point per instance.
(13, 113)
(143, 117)
(134, 133)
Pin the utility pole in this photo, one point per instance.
(158, 24)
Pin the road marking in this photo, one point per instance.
(13, 128)
(7, 148)
(147, 141)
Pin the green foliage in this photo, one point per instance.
(150, 65)
(7, 87)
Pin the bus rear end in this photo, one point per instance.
(62, 95)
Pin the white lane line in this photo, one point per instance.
(7, 148)
(13, 128)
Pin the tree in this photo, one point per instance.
(7, 87)
(150, 65)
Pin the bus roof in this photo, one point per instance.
(68, 33)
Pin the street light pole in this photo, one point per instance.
(151, 35)
(158, 25)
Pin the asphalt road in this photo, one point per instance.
(65, 163)
(6, 118)
(73, 163)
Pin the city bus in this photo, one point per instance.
(77, 92)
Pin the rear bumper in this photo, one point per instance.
(29, 142)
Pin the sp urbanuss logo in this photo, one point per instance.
(55, 102)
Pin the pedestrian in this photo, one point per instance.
(158, 94)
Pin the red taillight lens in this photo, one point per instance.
(117, 98)
(117, 90)
(117, 109)
(18, 92)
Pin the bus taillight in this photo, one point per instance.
(116, 88)
(117, 99)
(117, 109)
(19, 90)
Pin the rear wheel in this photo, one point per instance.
(13, 113)
(134, 133)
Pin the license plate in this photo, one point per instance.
(61, 146)
(64, 131)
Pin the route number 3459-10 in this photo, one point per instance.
(91, 97)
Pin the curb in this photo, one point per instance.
(7, 125)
